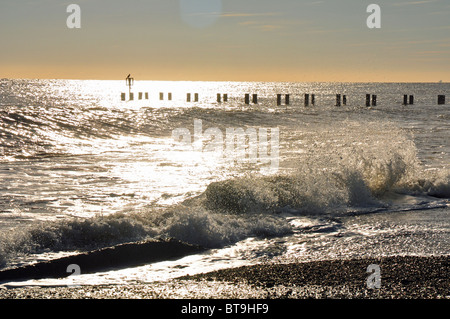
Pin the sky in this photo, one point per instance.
(227, 40)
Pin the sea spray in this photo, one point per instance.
(193, 225)
(329, 180)
(71, 148)
(235, 145)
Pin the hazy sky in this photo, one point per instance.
(248, 40)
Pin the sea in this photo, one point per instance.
(84, 167)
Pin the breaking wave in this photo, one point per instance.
(344, 168)
(193, 225)
(250, 206)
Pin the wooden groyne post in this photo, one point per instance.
(407, 101)
(370, 102)
(287, 98)
(247, 98)
(220, 96)
(338, 100)
(129, 81)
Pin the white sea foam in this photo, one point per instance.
(252, 205)
(94, 154)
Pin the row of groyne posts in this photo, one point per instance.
(309, 99)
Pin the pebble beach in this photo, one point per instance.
(407, 277)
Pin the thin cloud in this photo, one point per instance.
(256, 20)
(268, 27)
(260, 26)
(314, 3)
(235, 14)
(246, 15)
(432, 52)
(247, 23)
(411, 3)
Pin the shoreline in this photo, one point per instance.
(402, 277)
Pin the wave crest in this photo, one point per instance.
(192, 225)
(332, 178)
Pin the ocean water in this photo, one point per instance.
(81, 170)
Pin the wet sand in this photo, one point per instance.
(401, 278)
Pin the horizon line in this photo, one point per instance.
(237, 81)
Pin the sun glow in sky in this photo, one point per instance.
(227, 40)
